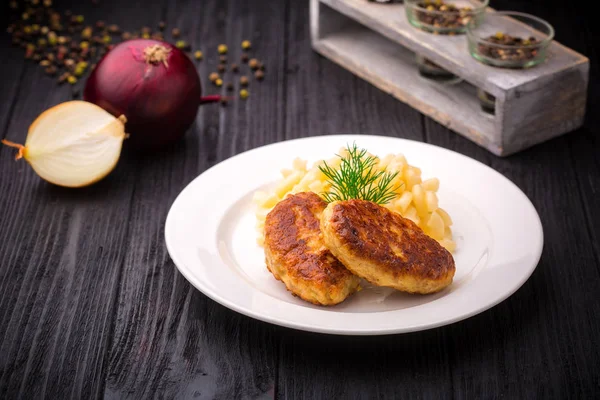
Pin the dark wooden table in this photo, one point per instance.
(92, 306)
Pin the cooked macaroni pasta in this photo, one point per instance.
(416, 198)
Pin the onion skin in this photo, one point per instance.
(160, 99)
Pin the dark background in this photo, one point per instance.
(92, 306)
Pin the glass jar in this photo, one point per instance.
(510, 40)
(430, 70)
(447, 17)
(487, 101)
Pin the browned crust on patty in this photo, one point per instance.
(296, 254)
(384, 248)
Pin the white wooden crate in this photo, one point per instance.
(376, 42)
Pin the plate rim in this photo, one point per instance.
(360, 331)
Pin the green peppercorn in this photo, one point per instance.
(222, 49)
(106, 39)
(219, 82)
(198, 55)
(182, 44)
(79, 19)
(72, 80)
(244, 94)
(246, 44)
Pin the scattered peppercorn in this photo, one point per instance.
(198, 55)
(219, 82)
(162, 25)
(259, 75)
(222, 49)
(213, 77)
(183, 45)
(176, 32)
(244, 94)
(244, 80)
(221, 68)
(245, 57)
(45, 63)
(223, 59)
(246, 44)
(126, 36)
(86, 33)
(253, 63)
(229, 87)
(100, 24)
(51, 70)
(114, 29)
(235, 68)
(224, 101)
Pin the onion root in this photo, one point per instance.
(21, 148)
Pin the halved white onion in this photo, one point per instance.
(73, 144)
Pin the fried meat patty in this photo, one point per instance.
(384, 248)
(296, 255)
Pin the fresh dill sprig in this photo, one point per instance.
(358, 178)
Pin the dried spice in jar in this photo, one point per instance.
(443, 16)
(506, 47)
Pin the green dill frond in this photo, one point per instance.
(358, 178)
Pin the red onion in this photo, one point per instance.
(154, 84)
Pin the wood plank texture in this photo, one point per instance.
(91, 305)
(170, 339)
(61, 256)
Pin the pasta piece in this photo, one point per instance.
(435, 226)
(419, 200)
(431, 185)
(432, 201)
(445, 216)
(403, 202)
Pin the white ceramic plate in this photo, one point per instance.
(211, 237)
